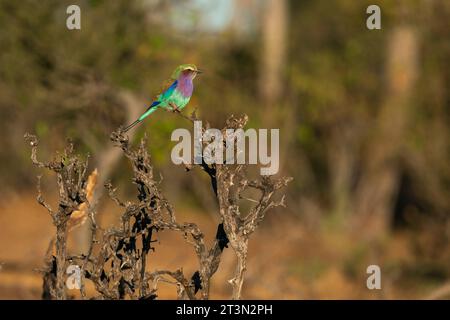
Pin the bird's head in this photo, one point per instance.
(186, 70)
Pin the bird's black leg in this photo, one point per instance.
(174, 107)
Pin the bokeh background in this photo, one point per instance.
(364, 118)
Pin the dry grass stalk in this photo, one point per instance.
(79, 217)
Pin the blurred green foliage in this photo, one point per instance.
(65, 84)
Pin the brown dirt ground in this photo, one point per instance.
(285, 260)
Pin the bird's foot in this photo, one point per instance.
(174, 108)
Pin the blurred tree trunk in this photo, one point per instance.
(274, 33)
(275, 112)
(107, 161)
(378, 186)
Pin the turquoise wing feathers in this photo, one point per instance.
(163, 97)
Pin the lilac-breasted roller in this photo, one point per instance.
(176, 95)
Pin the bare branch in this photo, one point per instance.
(118, 269)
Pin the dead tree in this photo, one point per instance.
(70, 173)
(118, 267)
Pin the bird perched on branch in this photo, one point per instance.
(175, 96)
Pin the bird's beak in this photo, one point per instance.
(199, 71)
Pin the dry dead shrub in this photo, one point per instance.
(116, 262)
